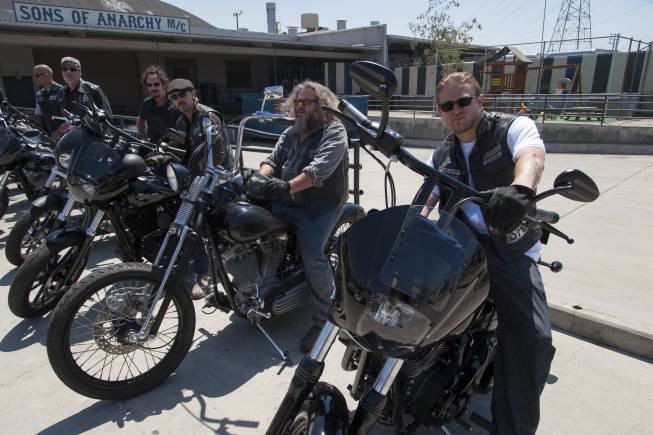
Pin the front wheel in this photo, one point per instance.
(40, 281)
(32, 228)
(349, 217)
(88, 337)
(325, 412)
(28, 233)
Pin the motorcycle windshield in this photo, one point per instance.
(428, 256)
(94, 162)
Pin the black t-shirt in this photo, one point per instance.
(159, 118)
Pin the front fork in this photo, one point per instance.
(308, 374)
(3, 179)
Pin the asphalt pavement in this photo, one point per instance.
(232, 380)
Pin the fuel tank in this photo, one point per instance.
(245, 222)
(146, 190)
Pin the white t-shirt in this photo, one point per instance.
(521, 134)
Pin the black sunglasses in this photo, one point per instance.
(153, 85)
(448, 106)
(182, 94)
(68, 69)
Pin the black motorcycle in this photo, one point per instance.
(24, 158)
(50, 211)
(116, 183)
(412, 296)
(142, 314)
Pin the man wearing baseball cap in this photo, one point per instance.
(71, 70)
(182, 94)
(46, 97)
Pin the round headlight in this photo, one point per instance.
(80, 189)
(178, 176)
(63, 160)
(172, 178)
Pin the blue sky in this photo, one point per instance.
(504, 22)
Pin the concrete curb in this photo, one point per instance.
(602, 331)
(566, 147)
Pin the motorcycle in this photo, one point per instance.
(23, 158)
(49, 211)
(142, 312)
(115, 182)
(411, 299)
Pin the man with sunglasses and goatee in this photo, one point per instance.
(308, 170)
(157, 113)
(503, 157)
(71, 70)
(182, 94)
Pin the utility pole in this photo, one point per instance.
(539, 72)
(237, 14)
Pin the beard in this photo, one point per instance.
(303, 125)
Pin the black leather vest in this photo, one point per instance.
(48, 101)
(196, 137)
(332, 194)
(491, 165)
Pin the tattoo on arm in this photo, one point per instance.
(537, 172)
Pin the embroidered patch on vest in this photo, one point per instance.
(492, 155)
(515, 235)
(450, 171)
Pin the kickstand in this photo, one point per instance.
(284, 355)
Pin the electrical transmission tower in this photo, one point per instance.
(573, 28)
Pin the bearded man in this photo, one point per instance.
(309, 167)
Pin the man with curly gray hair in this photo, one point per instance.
(308, 170)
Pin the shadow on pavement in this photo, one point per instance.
(26, 333)
(218, 364)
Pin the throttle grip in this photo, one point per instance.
(544, 215)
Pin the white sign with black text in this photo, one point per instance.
(96, 19)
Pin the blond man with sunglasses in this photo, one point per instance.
(502, 156)
(309, 167)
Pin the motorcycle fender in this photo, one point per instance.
(330, 417)
(51, 201)
(65, 234)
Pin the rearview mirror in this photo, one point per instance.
(374, 79)
(273, 92)
(583, 187)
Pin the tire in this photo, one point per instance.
(343, 224)
(32, 228)
(36, 287)
(304, 421)
(28, 233)
(4, 201)
(87, 336)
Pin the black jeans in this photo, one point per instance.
(524, 352)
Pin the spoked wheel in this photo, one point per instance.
(312, 416)
(39, 282)
(343, 224)
(32, 228)
(91, 338)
